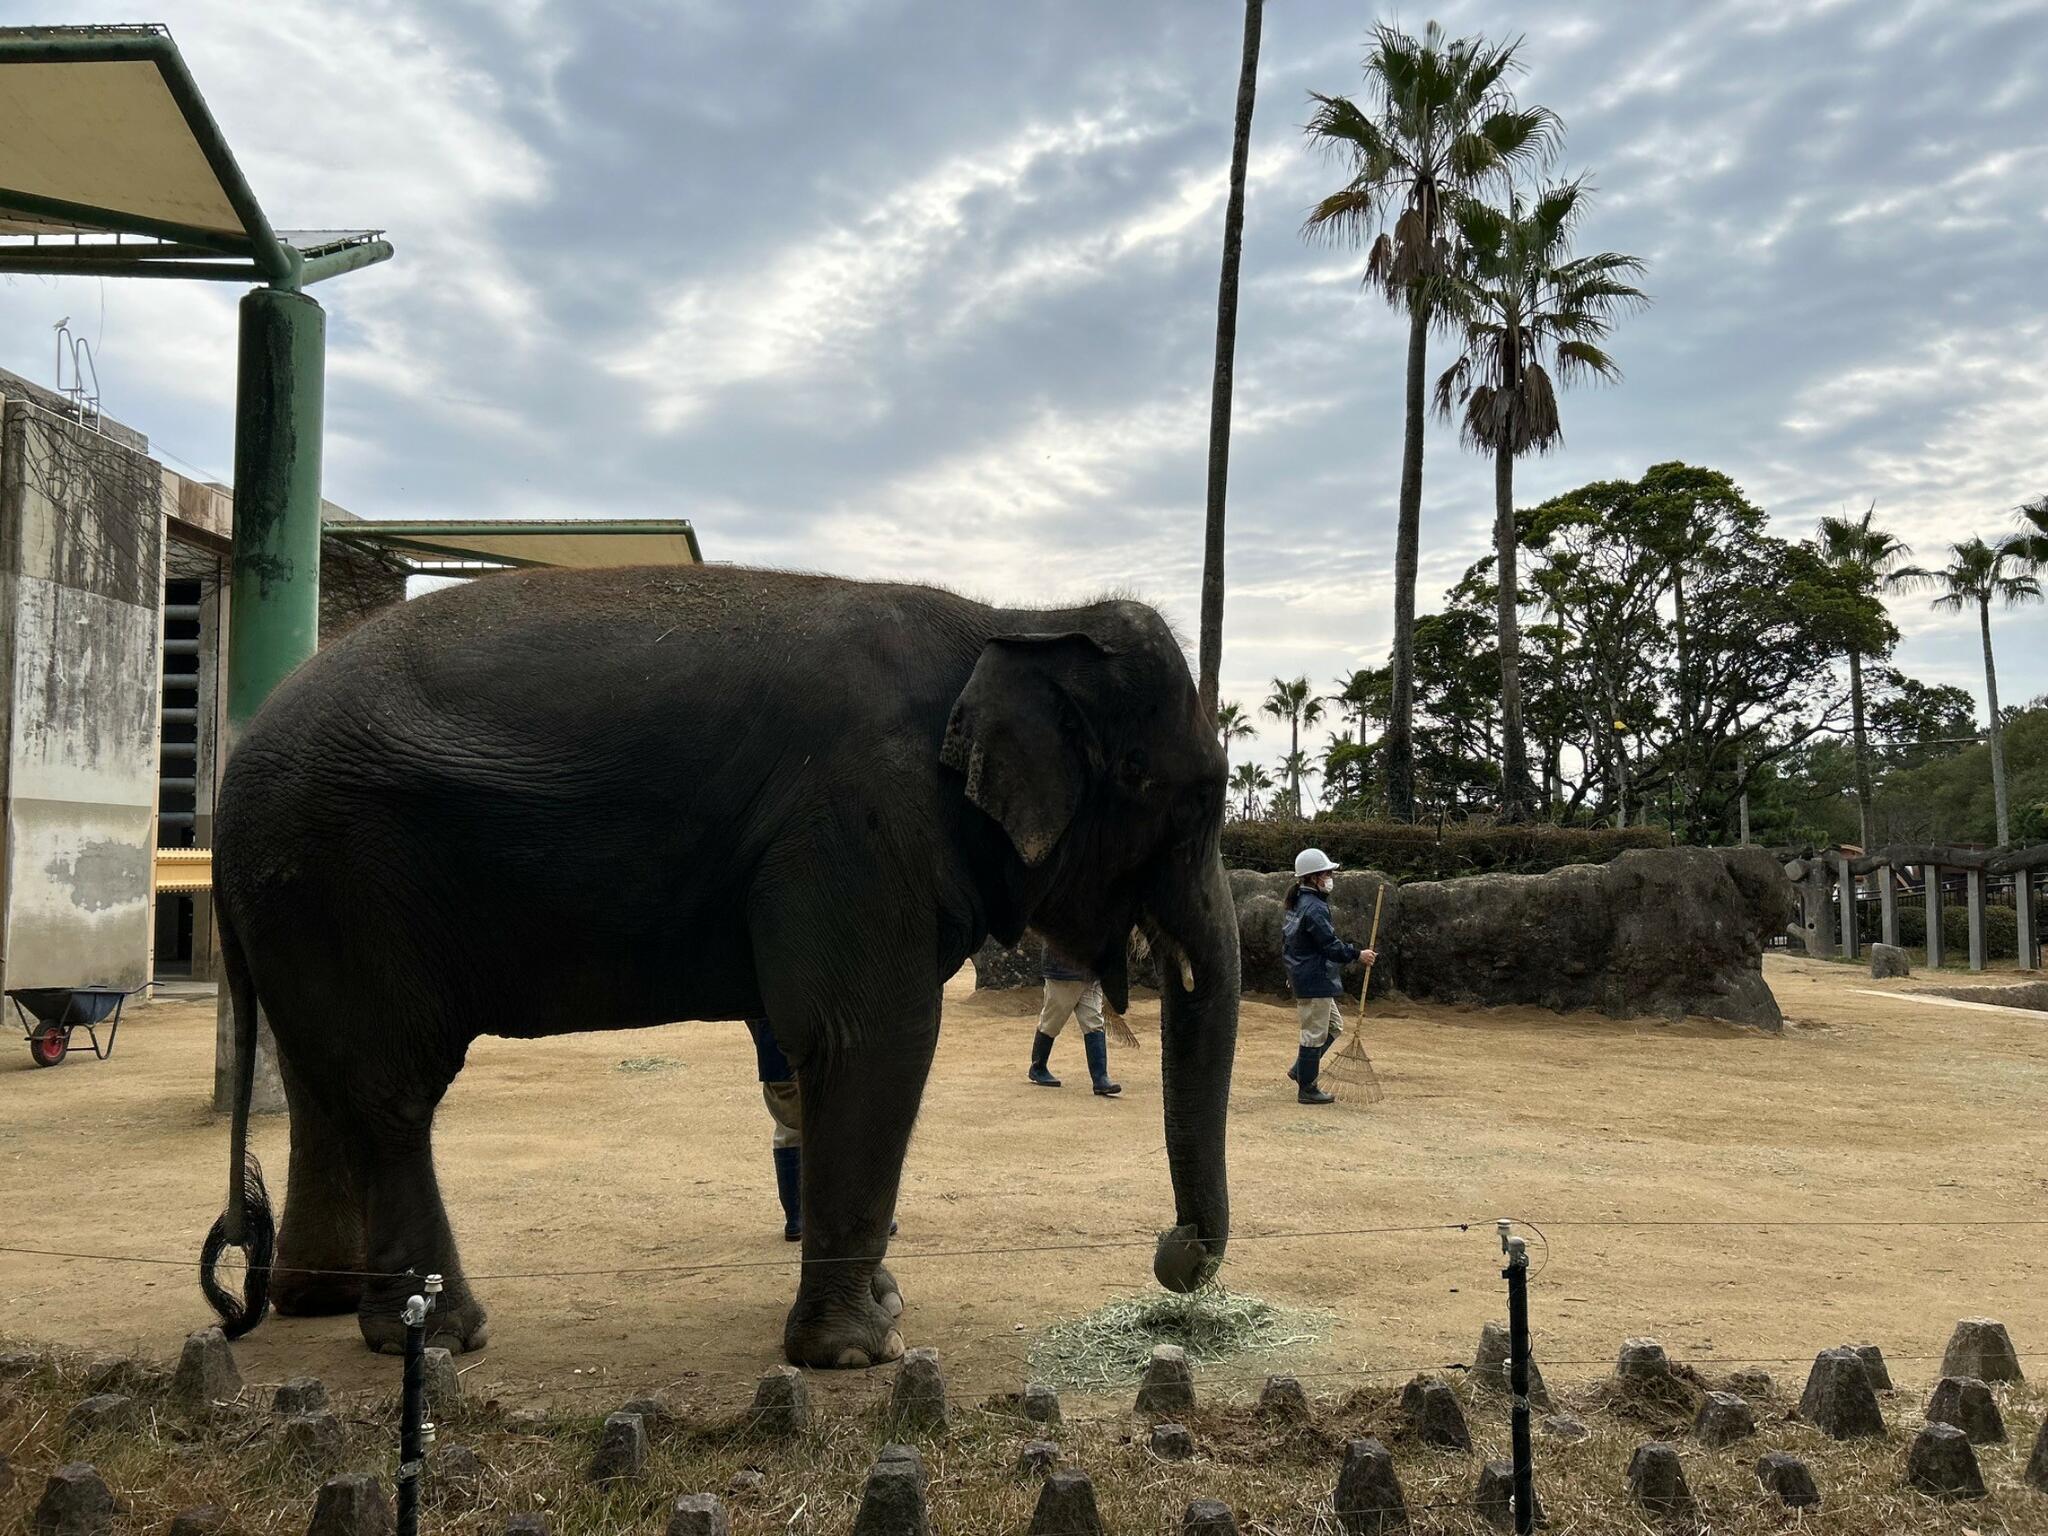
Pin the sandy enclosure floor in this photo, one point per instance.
(1649, 1155)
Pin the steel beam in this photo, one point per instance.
(30, 264)
(349, 258)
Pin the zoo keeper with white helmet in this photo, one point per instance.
(1315, 958)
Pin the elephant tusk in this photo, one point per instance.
(1187, 975)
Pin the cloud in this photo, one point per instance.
(929, 291)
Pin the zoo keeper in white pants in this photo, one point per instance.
(1315, 958)
(1071, 992)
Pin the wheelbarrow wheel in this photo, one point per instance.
(47, 1046)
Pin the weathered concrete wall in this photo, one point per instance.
(81, 579)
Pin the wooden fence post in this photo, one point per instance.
(1973, 886)
(1932, 876)
(1888, 904)
(2024, 910)
(1851, 939)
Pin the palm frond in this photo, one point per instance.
(1578, 360)
(2030, 544)
(2014, 591)
(1536, 422)
(1346, 214)
(1339, 125)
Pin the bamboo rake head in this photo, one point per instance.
(1348, 1069)
(1118, 1030)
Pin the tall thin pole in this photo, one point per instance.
(1516, 1273)
(273, 604)
(414, 1432)
(1211, 659)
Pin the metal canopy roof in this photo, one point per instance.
(111, 165)
(445, 547)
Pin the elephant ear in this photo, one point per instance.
(1017, 738)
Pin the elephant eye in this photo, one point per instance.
(1130, 772)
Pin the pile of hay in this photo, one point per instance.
(1110, 1346)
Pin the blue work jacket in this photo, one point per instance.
(1315, 956)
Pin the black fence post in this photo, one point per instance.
(1516, 1273)
(414, 1431)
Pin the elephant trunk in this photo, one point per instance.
(1198, 1044)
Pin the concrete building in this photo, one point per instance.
(114, 593)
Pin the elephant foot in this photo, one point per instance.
(300, 1291)
(458, 1324)
(846, 1336)
(886, 1292)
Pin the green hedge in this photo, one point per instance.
(2001, 930)
(1420, 853)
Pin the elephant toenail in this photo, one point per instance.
(851, 1359)
(892, 1346)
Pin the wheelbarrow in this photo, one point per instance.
(49, 1015)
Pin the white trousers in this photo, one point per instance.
(1319, 1018)
(1069, 999)
(786, 1107)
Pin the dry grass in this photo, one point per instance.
(1110, 1346)
(1278, 1479)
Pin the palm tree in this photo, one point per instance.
(1437, 125)
(1296, 766)
(2030, 544)
(1292, 702)
(1363, 696)
(1980, 574)
(1250, 781)
(1873, 559)
(1231, 725)
(1211, 659)
(1532, 316)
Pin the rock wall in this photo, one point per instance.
(1666, 933)
(1662, 933)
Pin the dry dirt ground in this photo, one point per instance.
(1696, 1183)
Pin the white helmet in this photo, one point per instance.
(1312, 861)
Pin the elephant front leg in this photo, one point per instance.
(858, 1109)
(408, 1239)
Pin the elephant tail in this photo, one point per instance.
(247, 1221)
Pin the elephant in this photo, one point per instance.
(558, 800)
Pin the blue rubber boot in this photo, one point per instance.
(1041, 1053)
(1306, 1067)
(1098, 1065)
(789, 1184)
(1294, 1072)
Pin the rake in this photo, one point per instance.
(1351, 1079)
(1119, 1031)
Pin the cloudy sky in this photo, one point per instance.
(926, 288)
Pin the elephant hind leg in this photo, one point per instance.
(320, 1252)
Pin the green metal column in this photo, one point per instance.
(274, 602)
(274, 590)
